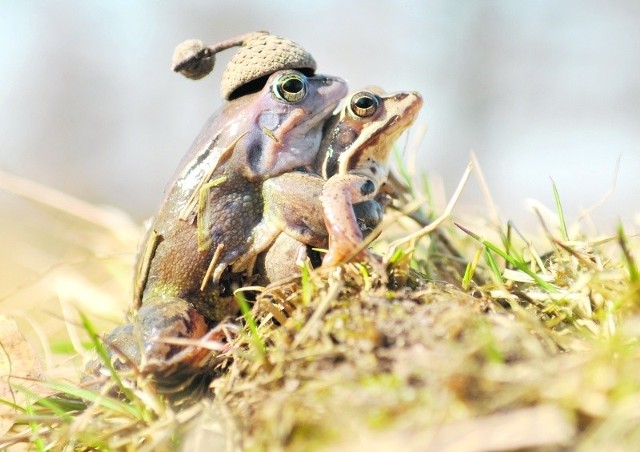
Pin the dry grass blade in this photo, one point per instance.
(55, 199)
(494, 217)
(411, 239)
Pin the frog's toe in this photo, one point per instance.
(346, 252)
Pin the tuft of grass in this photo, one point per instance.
(511, 258)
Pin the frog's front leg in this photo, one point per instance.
(292, 203)
(284, 258)
(339, 194)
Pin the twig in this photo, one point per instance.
(413, 238)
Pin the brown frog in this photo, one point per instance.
(338, 202)
(210, 213)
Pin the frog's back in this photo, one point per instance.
(182, 265)
(205, 156)
(173, 263)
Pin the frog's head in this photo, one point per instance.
(288, 115)
(360, 137)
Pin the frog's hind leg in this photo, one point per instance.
(165, 338)
(158, 327)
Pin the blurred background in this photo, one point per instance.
(540, 89)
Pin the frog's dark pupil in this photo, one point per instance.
(293, 85)
(364, 102)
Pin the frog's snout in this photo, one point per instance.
(330, 80)
(419, 98)
(330, 85)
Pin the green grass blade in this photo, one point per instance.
(366, 277)
(493, 265)
(517, 263)
(306, 285)
(33, 426)
(397, 256)
(632, 268)
(470, 269)
(104, 356)
(45, 402)
(256, 339)
(563, 224)
(110, 403)
(11, 405)
(402, 169)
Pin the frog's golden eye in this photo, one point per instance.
(291, 87)
(363, 104)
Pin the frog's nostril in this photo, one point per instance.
(330, 80)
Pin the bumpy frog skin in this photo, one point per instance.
(211, 209)
(353, 159)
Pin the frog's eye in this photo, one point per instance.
(364, 104)
(291, 87)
